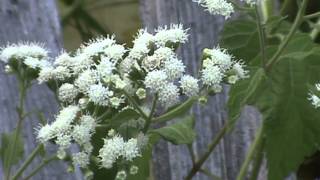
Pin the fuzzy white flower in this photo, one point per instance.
(81, 134)
(64, 59)
(64, 119)
(99, 94)
(238, 68)
(211, 75)
(105, 67)
(169, 95)
(115, 52)
(67, 92)
(134, 170)
(45, 133)
(174, 68)
(315, 100)
(218, 57)
(164, 53)
(156, 80)
(116, 102)
(217, 7)
(86, 79)
(63, 140)
(150, 63)
(131, 150)
(121, 175)
(143, 38)
(61, 73)
(189, 85)
(32, 62)
(81, 159)
(23, 50)
(141, 93)
(81, 63)
(174, 34)
(111, 150)
(45, 74)
(97, 46)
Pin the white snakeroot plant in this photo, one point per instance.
(104, 86)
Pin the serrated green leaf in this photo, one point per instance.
(179, 133)
(7, 150)
(241, 39)
(292, 124)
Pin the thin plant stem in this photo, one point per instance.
(41, 165)
(310, 16)
(153, 108)
(136, 105)
(297, 22)
(253, 148)
(257, 161)
(261, 37)
(197, 165)
(23, 85)
(28, 161)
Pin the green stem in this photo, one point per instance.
(314, 15)
(20, 110)
(136, 105)
(28, 161)
(153, 108)
(253, 148)
(261, 37)
(315, 31)
(257, 162)
(172, 113)
(41, 165)
(197, 166)
(295, 26)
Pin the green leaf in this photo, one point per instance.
(292, 125)
(6, 149)
(241, 39)
(123, 117)
(178, 133)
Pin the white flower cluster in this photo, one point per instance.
(314, 96)
(31, 55)
(116, 147)
(70, 126)
(217, 7)
(219, 65)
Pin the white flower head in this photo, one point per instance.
(61, 73)
(174, 68)
(46, 74)
(115, 52)
(189, 85)
(111, 150)
(67, 92)
(174, 34)
(156, 80)
(32, 62)
(64, 59)
(99, 94)
(81, 159)
(63, 140)
(23, 50)
(217, 7)
(64, 119)
(131, 150)
(211, 75)
(143, 38)
(45, 133)
(164, 53)
(315, 100)
(105, 67)
(97, 46)
(121, 175)
(218, 57)
(116, 102)
(238, 68)
(134, 170)
(86, 79)
(169, 95)
(141, 93)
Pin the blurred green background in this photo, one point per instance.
(84, 19)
